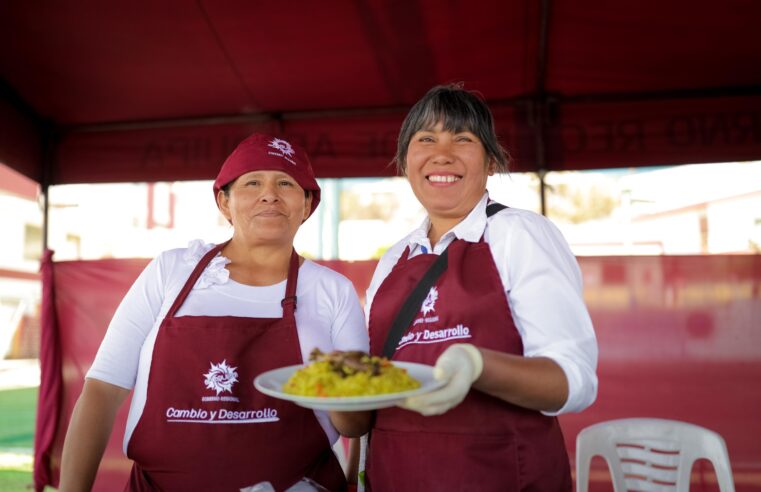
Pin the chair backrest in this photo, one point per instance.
(651, 454)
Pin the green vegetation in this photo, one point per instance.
(14, 480)
(17, 414)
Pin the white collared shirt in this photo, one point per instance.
(542, 282)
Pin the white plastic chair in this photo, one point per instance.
(651, 454)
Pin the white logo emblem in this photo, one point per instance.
(221, 377)
(429, 304)
(282, 146)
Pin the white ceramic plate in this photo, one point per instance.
(271, 383)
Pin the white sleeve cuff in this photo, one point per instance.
(582, 385)
(104, 377)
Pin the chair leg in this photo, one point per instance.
(582, 473)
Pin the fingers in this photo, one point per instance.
(444, 370)
(459, 365)
(441, 400)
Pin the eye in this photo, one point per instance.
(464, 138)
(285, 182)
(252, 182)
(425, 138)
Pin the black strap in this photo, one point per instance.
(493, 208)
(411, 306)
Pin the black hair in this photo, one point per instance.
(457, 110)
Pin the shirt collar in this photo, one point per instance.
(471, 228)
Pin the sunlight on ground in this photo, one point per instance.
(21, 460)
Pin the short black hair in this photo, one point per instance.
(457, 110)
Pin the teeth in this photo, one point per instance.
(443, 179)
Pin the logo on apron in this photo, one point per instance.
(221, 378)
(428, 307)
(429, 304)
(425, 330)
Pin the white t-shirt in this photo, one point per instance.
(538, 271)
(328, 316)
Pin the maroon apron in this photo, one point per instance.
(204, 426)
(484, 443)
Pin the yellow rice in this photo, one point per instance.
(319, 379)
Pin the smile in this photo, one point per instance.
(449, 178)
(269, 213)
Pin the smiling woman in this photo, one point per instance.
(266, 209)
(447, 172)
(492, 297)
(219, 315)
(447, 148)
(270, 187)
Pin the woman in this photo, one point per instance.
(492, 297)
(196, 328)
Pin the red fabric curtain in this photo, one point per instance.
(49, 402)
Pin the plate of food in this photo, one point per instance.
(347, 381)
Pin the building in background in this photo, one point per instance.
(20, 252)
(682, 210)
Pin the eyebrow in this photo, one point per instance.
(278, 174)
(456, 132)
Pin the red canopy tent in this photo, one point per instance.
(95, 92)
(146, 91)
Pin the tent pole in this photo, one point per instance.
(542, 192)
(540, 105)
(44, 198)
(48, 155)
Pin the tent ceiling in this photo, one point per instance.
(105, 91)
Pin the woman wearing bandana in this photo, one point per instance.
(196, 328)
(492, 297)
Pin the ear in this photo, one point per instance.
(491, 166)
(307, 206)
(223, 204)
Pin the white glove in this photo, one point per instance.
(460, 364)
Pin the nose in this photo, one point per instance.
(442, 152)
(269, 191)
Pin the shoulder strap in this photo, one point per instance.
(197, 271)
(411, 306)
(289, 301)
(493, 208)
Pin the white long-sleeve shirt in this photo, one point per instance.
(542, 282)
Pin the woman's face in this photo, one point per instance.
(447, 171)
(265, 207)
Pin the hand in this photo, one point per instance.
(460, 364)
